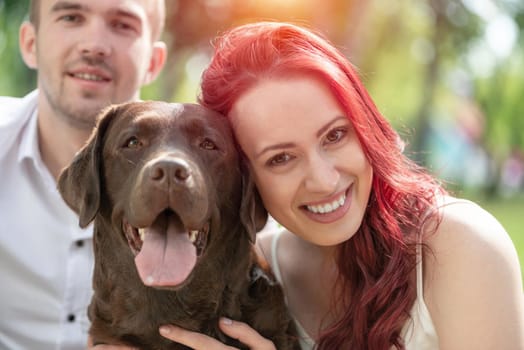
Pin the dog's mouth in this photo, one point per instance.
(166, 252)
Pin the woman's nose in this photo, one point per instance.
(322, 175)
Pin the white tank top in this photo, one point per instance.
(418, 333)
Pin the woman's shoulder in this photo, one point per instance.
(464, 224)
(470, 246)
(469, 237)
(472, 273)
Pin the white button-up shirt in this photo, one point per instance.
(46, 260)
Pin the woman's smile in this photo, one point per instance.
(329, 210)
(309, 167)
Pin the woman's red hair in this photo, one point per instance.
(376, 265)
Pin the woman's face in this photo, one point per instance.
(307, 162)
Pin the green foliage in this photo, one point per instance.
(407, 51)
(502, 97)
(15, 78)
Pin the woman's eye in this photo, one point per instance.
(336, 135)
(279, 159)
(209, 145)
(133, 142)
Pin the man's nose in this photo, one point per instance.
(322, 175)
(95, 43)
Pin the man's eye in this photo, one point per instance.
(336, 135)
(70, 18)
(279, 159)
(209, 145)
(122, 26)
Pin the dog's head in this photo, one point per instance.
(166, 176)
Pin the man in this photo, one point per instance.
(87, 54)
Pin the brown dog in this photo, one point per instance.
(175, 219)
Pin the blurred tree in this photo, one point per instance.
(501, 96)
(16, 79)
(417, 57)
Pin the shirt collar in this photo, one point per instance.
(29, 140)
(30, 150)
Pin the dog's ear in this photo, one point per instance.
(79, 183)
(253, 214)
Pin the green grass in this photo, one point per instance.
(510, 212)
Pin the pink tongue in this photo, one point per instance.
(167, 257)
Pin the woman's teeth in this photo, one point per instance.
(329, 207)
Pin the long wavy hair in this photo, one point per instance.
(375, 285)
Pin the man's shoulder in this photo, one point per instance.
(14, 114)
(10, 100)
(8, 107)
(14, 108)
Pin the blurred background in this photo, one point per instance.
(448, 74)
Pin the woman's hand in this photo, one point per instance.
(111, 347)
(236, 330)
(90, 346)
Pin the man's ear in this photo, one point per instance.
(156, 62)
(27, 44)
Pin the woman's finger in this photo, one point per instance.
(194, 340)
(90, 346)
(111, 347)
(245, 334)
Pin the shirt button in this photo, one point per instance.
(79, 243)
(71, 318)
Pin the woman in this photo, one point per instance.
(372, 252)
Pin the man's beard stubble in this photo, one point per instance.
(75, 116)
(80, 117)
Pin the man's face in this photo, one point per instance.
(92, 53)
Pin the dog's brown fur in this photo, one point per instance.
(110, 181)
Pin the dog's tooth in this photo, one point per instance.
(142, 233)
(193, 236)
(149, 280)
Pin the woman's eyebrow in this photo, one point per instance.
(275, 147)
(328, 125)
(291, 144)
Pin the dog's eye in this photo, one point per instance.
(207, 144)
(133, 142)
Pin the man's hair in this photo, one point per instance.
(156, 15)
(34, 8)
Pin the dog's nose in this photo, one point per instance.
(168, 170)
